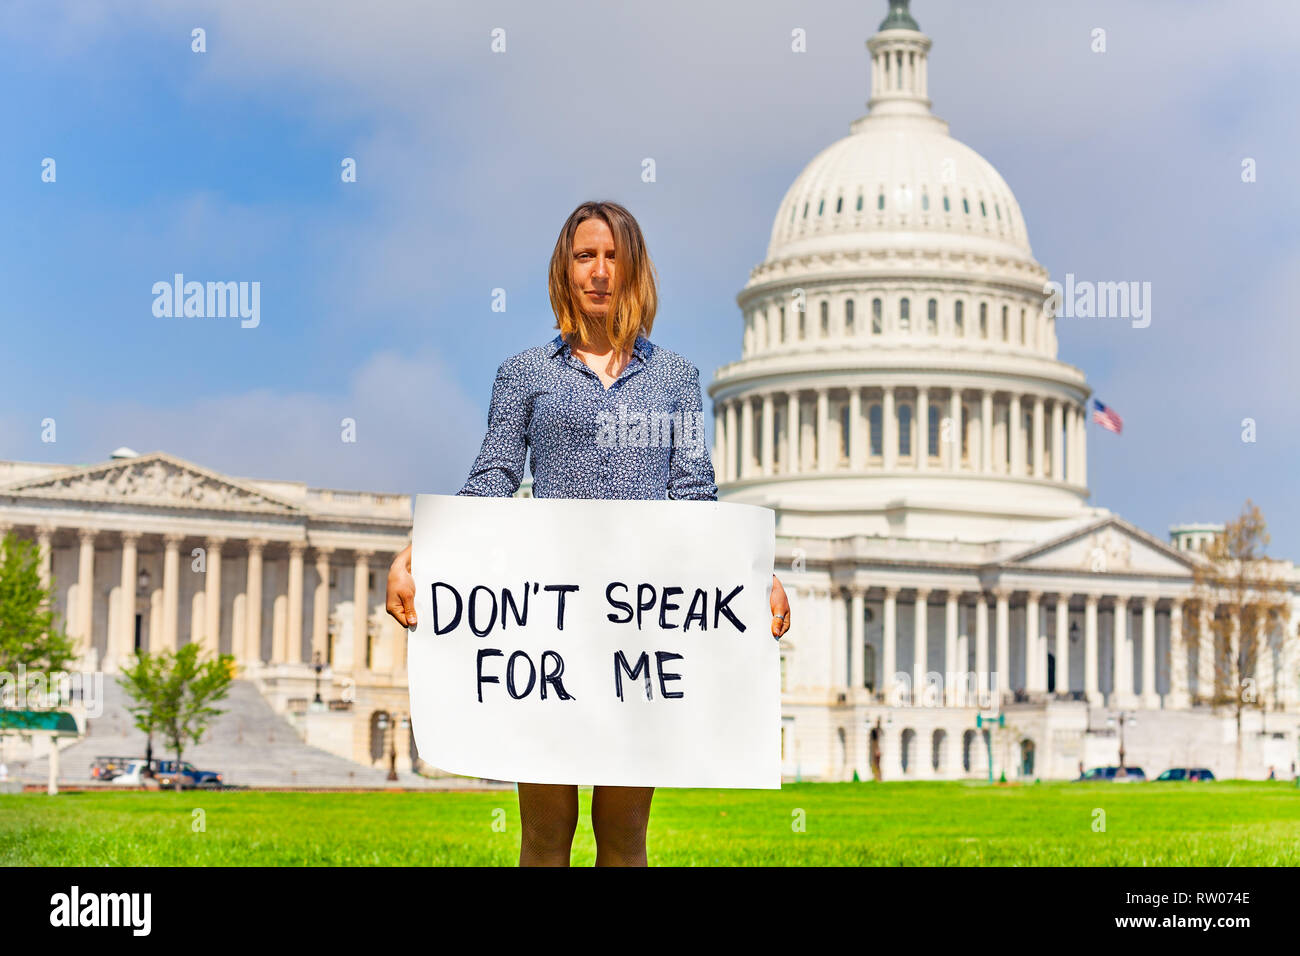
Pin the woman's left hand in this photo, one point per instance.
(780, 609)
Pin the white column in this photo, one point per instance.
(857, 447)
(922, 449)
(1121, 677)
(1072, 446)
(719, 443)
(1090, 686)
(889, 428)
(1003, 621)
(252, 649)
(730, 468)
(768, 433)
(45, 541)
(1290, 654)
(746, 437)
(1035, 662)
(1178, 689)
(954, 415)
(1150, 698)
(122, 644)
(1205, 681)
(171, 591)
(1264, 666)
(950, 665)
(361, 610)
(857, 662)
(1058, 447)
(1083, 445)
(823, 430)
(85, 592)
(293, 629)
(1039, 471)
(212, 597)
(920, 646)
(321, 607)
(1016, 436)
(986, 432)
(792, 428)
(1062, 643)
(983, 681)
(890, 656)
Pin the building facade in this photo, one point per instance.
(900, 403)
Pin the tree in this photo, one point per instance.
(29, 641)
(142, 679)
(175, 693)
(1241, 607)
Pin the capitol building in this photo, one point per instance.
(900, 404)
(960, 609)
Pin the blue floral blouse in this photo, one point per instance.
(643, 437)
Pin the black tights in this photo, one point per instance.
(549, 817)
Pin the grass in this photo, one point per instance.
(1230, 823)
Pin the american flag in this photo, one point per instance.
(1106, 417)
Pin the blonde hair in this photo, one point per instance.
(634, 299)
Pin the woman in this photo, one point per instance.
(551, 399)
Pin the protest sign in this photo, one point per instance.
(586, 641)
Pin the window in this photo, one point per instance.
(821, 206)
(965, 206)
(848, 316)
(905, 314)
(965, 433)
(859, 202)
(805, 210)
(984, 320)
(904, 430)
(997, 209)
(1028, 432)
(1004, 323)
(945, 203)
(803, 331)
(782, 323)
(925, 200)
(778, 427)
(958, 320)
(793, 209)
(876, 317)
(983, 212)
(877, 434)
(839, 204)
(932, 317)
(1024, 332)
(826, 318)
(932, 444)
(880, 201)
(845, 433)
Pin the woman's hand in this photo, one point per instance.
(780, 609)
(400, 602)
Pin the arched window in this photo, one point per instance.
(877, 433)
(946, 208)
(984, 320)
(839, 203)
(904, 430)
(958, 319)
(1004, 323)
(876, 316)
(932, 446)
(826, 318)
(905, 314)
(859, 202)
(932, 317)
(880, 201)
(848, 316)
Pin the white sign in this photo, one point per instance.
(588, 641)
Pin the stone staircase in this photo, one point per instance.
(249, 744)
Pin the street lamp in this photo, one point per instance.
(1124, 719)
(318, 667)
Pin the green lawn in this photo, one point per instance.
(872, 824)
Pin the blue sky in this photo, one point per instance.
(376, 295)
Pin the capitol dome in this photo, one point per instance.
(898, 372)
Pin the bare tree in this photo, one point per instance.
(1241, 605)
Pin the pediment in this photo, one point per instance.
(1110, 546)
(155, 479)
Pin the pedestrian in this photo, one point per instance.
(546, 403)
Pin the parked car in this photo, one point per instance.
(1112, 774)
(105, 769)
(1186, 773)
(131, 776)
(201, 778)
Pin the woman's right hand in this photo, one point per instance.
(400, 602)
